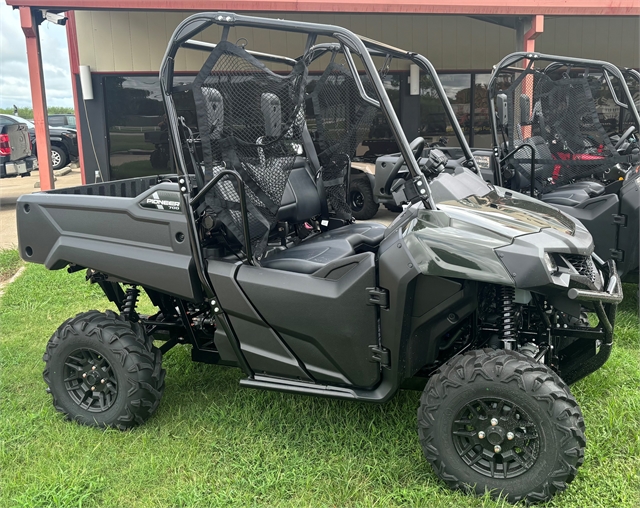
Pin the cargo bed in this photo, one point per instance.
(130, 230)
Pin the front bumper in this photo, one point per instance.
(611, 294)
(593, 346)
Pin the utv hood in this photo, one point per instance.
(501, 237)
(508, 214)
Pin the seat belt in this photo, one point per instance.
(312, 155)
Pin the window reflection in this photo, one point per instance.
(627, 119)
(434, 123)
(138, 137)
(481, 115)
(380, 140)
(137, 125)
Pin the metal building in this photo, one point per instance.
(122, 42)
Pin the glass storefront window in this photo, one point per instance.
(379, 139)
(137, 126)
(138, 141)
(481, 119)
(434, 123)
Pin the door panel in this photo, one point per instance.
(328, 324)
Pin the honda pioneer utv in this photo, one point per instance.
(567, 131)
(253, 260)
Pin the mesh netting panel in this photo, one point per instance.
(250, 120)
(559, 118)
(343, 120)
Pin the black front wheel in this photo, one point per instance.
(363, 206)
(104, 371)
(496, 421)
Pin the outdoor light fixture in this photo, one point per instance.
(85, 82)
(54, 17)
(414, 80)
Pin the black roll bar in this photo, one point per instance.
(509, 61)
(199, 22)
(243, 204)
(380, 49)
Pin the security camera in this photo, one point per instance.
(55, 18)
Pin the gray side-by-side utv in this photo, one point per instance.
(567, 131)
(253, 260)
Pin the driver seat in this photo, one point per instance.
(305, 199)
(574, 193)
(315, 252)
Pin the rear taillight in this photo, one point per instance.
(5, 148)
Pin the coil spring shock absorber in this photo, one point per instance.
(507, 312)
(129, 304)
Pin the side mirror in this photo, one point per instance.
(502, 110)
(525, 109)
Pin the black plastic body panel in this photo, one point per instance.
(264, 350)
(596, 214)
(328, 323)
(398, 273)
(113, 235)
(439, 305)
(628, 235)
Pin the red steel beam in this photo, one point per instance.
(74, 64)
(469, 7)
(29, 25)
(537, 27)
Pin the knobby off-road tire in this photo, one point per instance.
(363, 206)
(538, 430)
(393, 208)
(103, 371)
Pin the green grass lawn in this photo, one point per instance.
(212, 443)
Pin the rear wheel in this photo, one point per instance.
(103, 371)
(361, 201)
(495, 420)
(59, 157)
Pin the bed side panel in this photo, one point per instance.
(114, 235)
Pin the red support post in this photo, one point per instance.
(529, 43)
(537, 27)
(29, 20)
(74, 63)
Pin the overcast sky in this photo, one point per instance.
(14, 73)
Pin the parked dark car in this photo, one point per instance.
(64, 141)
(15, 150)
(62, 120)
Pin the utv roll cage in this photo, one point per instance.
(346, 43)
(511, 63)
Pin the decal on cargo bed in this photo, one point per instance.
(162, 200)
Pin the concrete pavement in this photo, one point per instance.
(12, 188)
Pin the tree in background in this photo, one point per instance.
(27, 113)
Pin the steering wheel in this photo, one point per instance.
(416, 146)
(624, 136)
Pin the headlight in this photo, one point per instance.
(552, 267)
(483, 161)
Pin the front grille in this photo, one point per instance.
(585, 267)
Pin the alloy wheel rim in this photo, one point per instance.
(55, 158)
(90, 380)
(496, 438)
